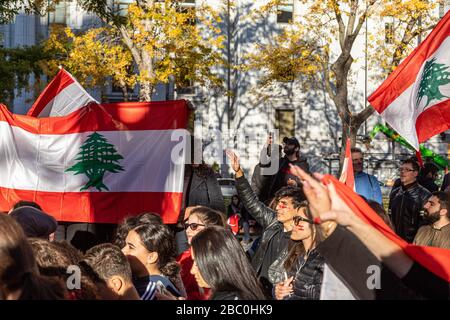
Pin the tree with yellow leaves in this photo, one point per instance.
(94, 57)
(304, 51)
(165, 41)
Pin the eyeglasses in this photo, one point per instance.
(405, 170)
(193, 226)
(297, 220)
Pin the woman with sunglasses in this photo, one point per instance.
(199, 218)
(303, 264)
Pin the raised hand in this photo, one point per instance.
(234, 160)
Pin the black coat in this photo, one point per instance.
(308, 277)
(265, 183)
(350, 259)
(265, 216)
(405, 206)
(203, 190)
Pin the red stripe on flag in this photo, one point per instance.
(347, 175)
(167, 115)
(434, 259)
(98, 207)
(61, 81)
(433, 121)
(406, 73)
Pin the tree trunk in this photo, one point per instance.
(145, 91)
(125, 94)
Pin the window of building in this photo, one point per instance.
(121, 6)
(285, 11)
(285, 123)
(60, 14)
(389, 32)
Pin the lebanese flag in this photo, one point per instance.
(347, 174)
(437, 260)
(414, 99)
(98, 164)
(62, 96)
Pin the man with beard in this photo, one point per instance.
(437, 232)
(264, 182)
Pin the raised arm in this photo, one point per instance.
(328, 206)
(262, 214)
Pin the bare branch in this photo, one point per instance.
(338, 14)
(130, 44)
(363, 17)
(362, 116)
(352, 18)
(408, 35)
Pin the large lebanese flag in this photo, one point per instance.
(58, 162)
(62, 96)
(414, 99)
(436, 260)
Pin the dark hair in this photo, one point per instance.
(413, 163)
(379, 209)
(23, 203)
(444, 200)
(296, 248)
(18, 268)
(223, 263)
(355, 149)
(295, 193)
(158, 238)
(107, 260)
(129, 223)
(428, 168)
(208, 216)
(54, 259)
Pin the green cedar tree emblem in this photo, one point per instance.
(95, 158)
(434, 75)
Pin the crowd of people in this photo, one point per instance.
(311, 244)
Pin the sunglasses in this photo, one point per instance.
(297, 220)
(193, 226)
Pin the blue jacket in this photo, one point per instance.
(368, 186)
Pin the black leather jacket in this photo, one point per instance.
(308, 277)
(405, 205)
(265, 216)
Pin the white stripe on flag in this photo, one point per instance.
(66, 101)
(38, 162)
